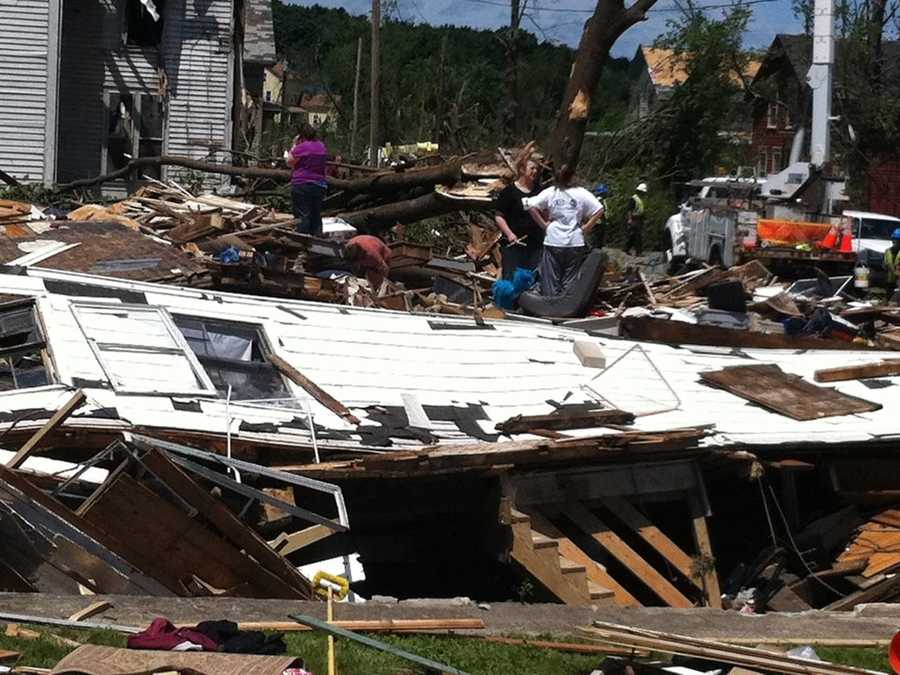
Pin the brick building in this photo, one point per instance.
(782, 106)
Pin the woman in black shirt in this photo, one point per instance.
(524, 237)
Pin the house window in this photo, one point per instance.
(772, 116)
(235, 354)
(788, 120)
(144, 22)
(268, 94)
(140, 350)
(776, 160)
(762, 164)
(22, 347)
(135, 128)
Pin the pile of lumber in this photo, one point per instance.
(684, 291)
(719, 652)
(13, 212)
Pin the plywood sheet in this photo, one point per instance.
(785, 393)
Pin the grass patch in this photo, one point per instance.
(862, 657)
(469, 654)
(46, 652)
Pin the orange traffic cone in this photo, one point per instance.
(830, 239)
(847, 243)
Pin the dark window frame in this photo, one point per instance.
(261, 343)
(35, 344)
(131, 128)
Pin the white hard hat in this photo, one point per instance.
(642, 187)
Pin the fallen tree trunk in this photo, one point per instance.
(610, 19)
(380, 183)
(386, 216)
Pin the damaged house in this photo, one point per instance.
(604, 469)
(87, 85)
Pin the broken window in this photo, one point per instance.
(140, 350)
(144, 23)
(22, 347)
(135, 128)
(234, 354)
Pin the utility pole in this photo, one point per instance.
(353, 127)
(375, 110)
(819, 79)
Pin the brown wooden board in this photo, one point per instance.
(594, 571)
(523, 424)
(227, 523)
(637, 521)
(668, 331)
(56, 420)
(784, 393)
(610, 541)
(890, 368)
(166, 543)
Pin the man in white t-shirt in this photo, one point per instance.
(567, 213)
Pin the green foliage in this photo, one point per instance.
(658, 206)
(34, 193)
(439, 83)
(704, 104)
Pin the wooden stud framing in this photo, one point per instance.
(610, 541)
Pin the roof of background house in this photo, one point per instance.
(668, 69)
(320, 102)
(259, 33)
(797, 49)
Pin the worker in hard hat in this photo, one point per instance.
(892, 259)
(601, 192)
(636, 220)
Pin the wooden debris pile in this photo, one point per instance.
(150, 527)
(746, 306)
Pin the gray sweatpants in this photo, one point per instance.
(559, 267)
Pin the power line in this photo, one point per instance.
(573, 10)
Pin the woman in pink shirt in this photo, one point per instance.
(308, 159)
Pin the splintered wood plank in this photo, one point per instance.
(785, 393)
(313, 389)
(707, 560)
(593, 570)
(285, 544)
(58, 418)
(637, 521)
(523, 424)
(610, 541)
(91, 610)
(889, 368)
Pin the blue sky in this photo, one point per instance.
(562, 20)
